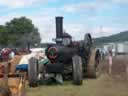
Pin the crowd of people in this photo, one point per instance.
(107, 54)
(8, 53)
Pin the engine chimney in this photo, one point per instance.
(59, 28)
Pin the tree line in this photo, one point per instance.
(119, 37)
(18, 33)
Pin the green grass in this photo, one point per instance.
(103, 86)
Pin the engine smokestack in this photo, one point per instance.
(59, 27)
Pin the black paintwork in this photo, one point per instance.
(65, 53)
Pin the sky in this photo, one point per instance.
(98, 17)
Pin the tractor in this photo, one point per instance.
(69, 59)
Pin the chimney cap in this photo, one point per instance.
(59, 17)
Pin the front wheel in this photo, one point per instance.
(77, 70)
(33, 72)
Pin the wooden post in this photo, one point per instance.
(4, 77)
(126, 71)
(6, 74)
(21, 87)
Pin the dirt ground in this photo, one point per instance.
(105, 85)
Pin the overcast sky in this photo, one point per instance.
(98, 17)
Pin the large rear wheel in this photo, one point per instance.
(92, 67)
(87, 42)
(33, 72)
(77, 70)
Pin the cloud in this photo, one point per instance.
(106, 31)
(86, 6)
(45, 22)
(20, 3)
(124, 2)
(115, 2)
(76, 30)
(46, 26)
(79, 30)
(44, 19)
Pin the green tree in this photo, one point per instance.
(3, 35)
(21, 31)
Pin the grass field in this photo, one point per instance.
(115, 84)
(103, 86)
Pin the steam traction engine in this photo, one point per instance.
(75, 59)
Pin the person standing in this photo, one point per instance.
(110, 61)
(11, 54)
